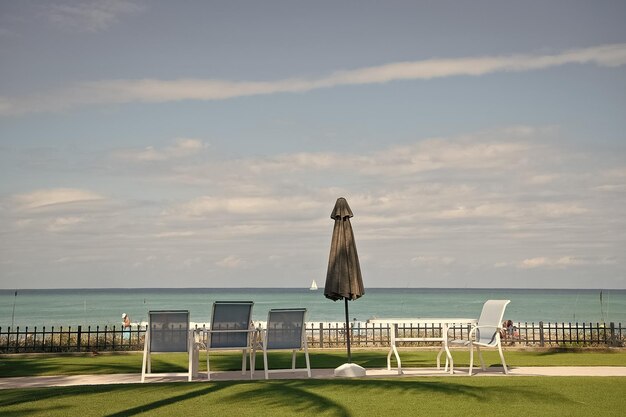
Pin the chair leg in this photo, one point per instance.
(252, 361)
(208, 367)
(306, 358)
(265, 363)
(439, 360)
(293, 360)
(506, 371)
(471, 349)
(145, 357)
(192, 362)
(480, 356)
(395, 351)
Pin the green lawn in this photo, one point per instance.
(431, 396)
(57, 364)
(435, 396)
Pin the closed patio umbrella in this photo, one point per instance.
(343, 278)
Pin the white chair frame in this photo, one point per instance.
(302, 345)
(146, 367)
(245, 348)
(494, 342)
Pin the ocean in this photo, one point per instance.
(72, 307)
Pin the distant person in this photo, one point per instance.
(509, 331)
(125, 326)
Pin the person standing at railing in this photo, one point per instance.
(125, 326)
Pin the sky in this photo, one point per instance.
(204, 143)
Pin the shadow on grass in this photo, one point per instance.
(69, 364)
(337, 397)
(340, 397)
(557, 350)
(146, 408)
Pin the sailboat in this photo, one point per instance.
(313, 286)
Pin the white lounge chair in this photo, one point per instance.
(231, 329)
(486, 333)
(285, 331)
(168, 331)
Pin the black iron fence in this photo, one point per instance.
(70, 339)
(319, 335)
(526, 334)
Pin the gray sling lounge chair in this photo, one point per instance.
(168, 331)
(286, 331)
(231, 329)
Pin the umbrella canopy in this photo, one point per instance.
(343, 279)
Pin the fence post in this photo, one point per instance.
(541, 337)
(78, 337)
(612, 340)
(17, 339)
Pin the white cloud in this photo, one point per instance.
(56, 196)
(547, 262)
(503, 149)
(262, 207)
(459, 205)
(63, 223)
(175, 234)
(160, 91)
(183, 147)
(92, 16)
(431, 261)
(230, 262)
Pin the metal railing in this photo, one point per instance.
(319, 335)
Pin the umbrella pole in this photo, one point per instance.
(348, 331)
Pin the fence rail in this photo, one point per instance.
(319, 335)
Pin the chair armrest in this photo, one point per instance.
(472, 332)
(229, 331)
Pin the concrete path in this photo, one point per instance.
(58, 381)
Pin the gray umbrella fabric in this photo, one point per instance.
(343, 278)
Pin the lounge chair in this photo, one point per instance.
(231, 329)
(486, 333)
(168, 331)
(285, 331)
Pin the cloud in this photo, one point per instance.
(161, 91)
(183, 147)
(432, 261)
(500, 149)
(547, 262)
(63, 223)
(279, 207)
(470, 206)
(94, 16)
(230, 262)
(53, 197)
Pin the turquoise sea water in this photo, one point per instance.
(71, 307)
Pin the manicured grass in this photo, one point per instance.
(432, 397)
(58, 364)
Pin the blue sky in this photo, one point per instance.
(154, 144)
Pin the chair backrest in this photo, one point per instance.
(490, 321)
(169, 330)
(230, 316)
(285, 328)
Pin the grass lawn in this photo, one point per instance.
(59, 364)
(432, 396)
(435, 396)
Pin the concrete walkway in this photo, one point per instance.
(71, 380)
